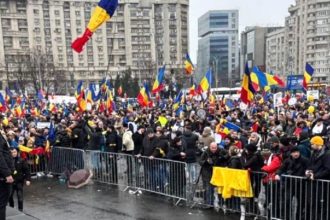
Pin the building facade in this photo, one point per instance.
(218, 46)
(275, 52)
(141, 36)
(253, 47)
(308, 38)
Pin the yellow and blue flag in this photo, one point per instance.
(102, 13)
(158, 84)
(309, 71)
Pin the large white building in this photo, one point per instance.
(141, 36)
(275, 52)
(307, 39)
(218, 46)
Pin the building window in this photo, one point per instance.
(57, 13)
(57, 22)
(36, 11)
(77, 13)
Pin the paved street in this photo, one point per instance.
(51, 200)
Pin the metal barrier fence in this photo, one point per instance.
(164, 177)
(205, 195)
(36, 163)
(299, 198)
(290, 198)
(66, 159)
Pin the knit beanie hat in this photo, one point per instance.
(317, 140)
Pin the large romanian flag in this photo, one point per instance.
(205, 83)
(247, 92)
(143, 96)
(263, 80)
(188, 65)
(103, 12)
(309, 71)
(158, 84)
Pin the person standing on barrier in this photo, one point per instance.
(213, 156)
(6, 170)
(295, 165)
(21, 175)
(319, 169)
(273, 163)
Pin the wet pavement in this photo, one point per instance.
(50, 200)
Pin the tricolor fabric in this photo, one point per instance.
(247, 91)
(192, 90)
(2, 104)
(188, 65)
(158, 84)
(309, 71)
(178, 100)
(205, 83)
(143, 96)
(263, 80)
(103, 12)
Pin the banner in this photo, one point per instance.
(295, 82)
(278, 99)
(313, 93)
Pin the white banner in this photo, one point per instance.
(41, 125)
(278, 99)
(313, 93)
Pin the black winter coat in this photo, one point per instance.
(149, 145)
(112, 142)
(254, 161)
(161, 147)
(209, 160)
(138, 142)
(294, 167)
(235, 162)
(320, 164)
(22, 171)
(174, 152)
(6, 161)
(191, 141)
(79, 138)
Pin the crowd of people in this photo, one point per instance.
(292, 140)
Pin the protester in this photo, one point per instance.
(21, 176)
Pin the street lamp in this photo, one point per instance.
(215, 64)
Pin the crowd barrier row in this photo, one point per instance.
(290, 198)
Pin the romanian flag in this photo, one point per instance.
(231, 126)
(205, 83)
(81, 102)
(18, 111)
(229, 104)
(177, 100)
(103, 12)
(192, 90)
(264, 80)
(247, 92)
(143, 97)
(309, 71)
(2, 104)
(188, 65)
(158, 84)
(79, 88)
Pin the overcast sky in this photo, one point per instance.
(251, 13)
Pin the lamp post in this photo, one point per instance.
(215, 64)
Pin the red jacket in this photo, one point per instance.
(271, 169)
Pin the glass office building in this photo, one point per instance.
(218, 46)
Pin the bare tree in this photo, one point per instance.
(36, 70)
